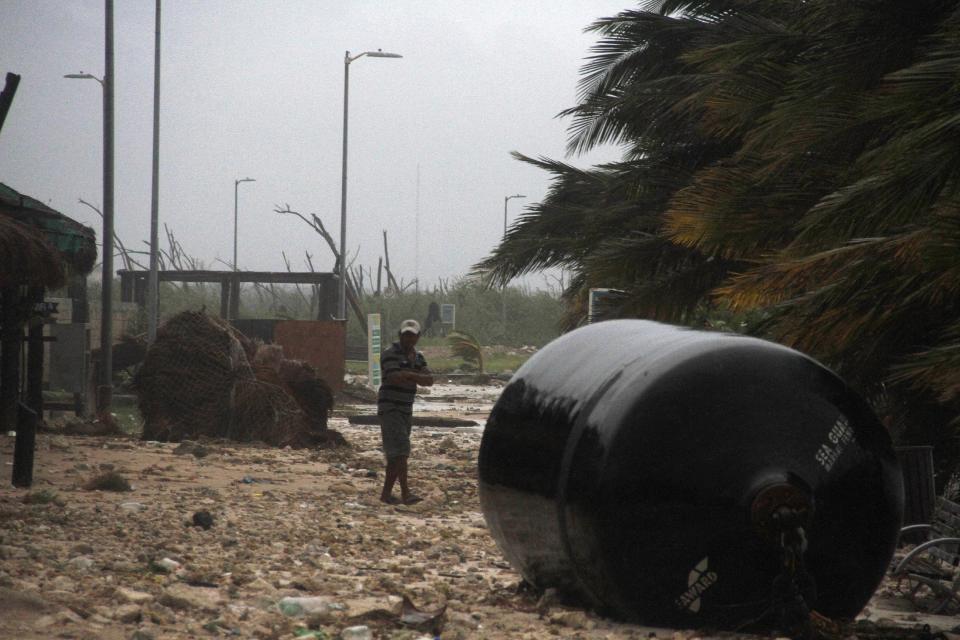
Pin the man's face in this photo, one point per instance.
(408, 340)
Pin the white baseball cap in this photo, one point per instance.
(410, 326)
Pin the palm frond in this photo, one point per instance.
(467, 347)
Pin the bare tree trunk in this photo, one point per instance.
(317, 225)
(391, 281)
(128, 261)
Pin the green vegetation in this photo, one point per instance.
(494, 360)
(44, 496)
(533, 317)
(466, 347)
(790, 167)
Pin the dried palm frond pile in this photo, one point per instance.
(197, 381)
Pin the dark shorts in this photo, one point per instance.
(395, 426)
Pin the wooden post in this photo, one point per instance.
(31, 412)
(225, 298)
(24, 446)
(35, 355)
(234, 298)
(379, 272)
(11, 334)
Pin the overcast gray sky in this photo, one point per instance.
(255, 88)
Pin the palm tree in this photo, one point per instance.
(792, 160)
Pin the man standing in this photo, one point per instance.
(403, 369)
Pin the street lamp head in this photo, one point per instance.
(245, 180)
(517, 195)
(382, 54)
(82, 76)
(372, 54)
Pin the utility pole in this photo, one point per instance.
(105, 396)
(153, 286)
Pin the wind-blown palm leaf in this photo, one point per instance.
(467, 347)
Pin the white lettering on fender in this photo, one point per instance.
(839, 437)
(699, 580)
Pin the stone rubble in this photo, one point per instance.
(300, 544)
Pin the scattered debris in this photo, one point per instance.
(188, 447)
(45, 496)
(203, 519)
(418, 420)
(283, 533)
(109, 481)
(431, 621)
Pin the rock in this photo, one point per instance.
(61, 583)
(13, 553)
(342, 487)
(122, 566)
(167, 565)
(371, 607)
(159, 614)
(81, 549)
(572, 619)
(183, 597)
(141, 634)
(128, 613)
(203, 519)
(44, 622)
(132, 507)
(297, 606)
(359, 632)
(66, 616)
(135, 597)
(81, 563)
(261, 586)
(447, 444)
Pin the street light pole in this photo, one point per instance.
(236, 185)
(106, 321)
(105, 384)
(153, 291)
(503, 306)
(347, 59)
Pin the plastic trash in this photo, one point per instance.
(302, 605)
(360, 632)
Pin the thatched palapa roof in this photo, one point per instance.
(39, 245)
(26, 257)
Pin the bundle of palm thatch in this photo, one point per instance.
(299, 380)
(185, 386)
(197, 380)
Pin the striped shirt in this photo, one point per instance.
(399, 394)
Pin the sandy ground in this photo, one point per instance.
(286, 523)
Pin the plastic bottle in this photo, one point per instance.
(360, 632)
(302, 605)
